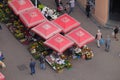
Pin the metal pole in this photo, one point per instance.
(36, 3)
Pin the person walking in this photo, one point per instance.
(59, 5)
(42, 62)
(88, 9)
(1, 56)
(72, 5)
(32, 66)
(57, 2)
(107, 43)
(0, 27)
(116, 30)
(98, 37)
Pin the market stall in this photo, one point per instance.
(19, 6)
(36, 48)
(31, 17)
(46, 29)
(81, 37)
(54, 43)
(66, 23)
(2, 77)
(49, 13)
(58, 63)
(59, 43)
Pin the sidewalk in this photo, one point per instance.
(103, 66)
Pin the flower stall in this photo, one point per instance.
(58, 63)
(36, 48)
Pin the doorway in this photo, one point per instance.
(114, 10)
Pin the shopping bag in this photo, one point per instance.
(102, 41)
(113, 33)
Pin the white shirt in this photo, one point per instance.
(72, 3)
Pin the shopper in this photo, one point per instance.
(72, 5)
(32, 66)
(116, 30)
(42, 62)
(107, 43)
(57, 2)
(0, 27)
(98, 37)
(88, 9)
(1, 56)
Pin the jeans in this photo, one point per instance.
(107, 47)
(71, 10)
(42, 66)
(32, 70)
(98, 43)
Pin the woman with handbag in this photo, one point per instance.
(98, 38)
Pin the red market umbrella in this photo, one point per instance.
(31, 17)
(20, 5)
(59, 43)
(66, 23)
(80, 36)
(2, 77)
(46, 29)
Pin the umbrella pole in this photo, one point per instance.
(36, 3)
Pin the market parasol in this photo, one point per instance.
(20, 5)
(66, 23)
(59, 43)
(31, 17)
(46, 29)
(80, 36)
(2, 77)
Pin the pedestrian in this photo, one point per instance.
(32, 66)
(1, 56)
(57, 2)
(42, 62)
(72, 5)
(116, 30)
(98, 37)
(88, 9)
(107, 43)
(0, 27)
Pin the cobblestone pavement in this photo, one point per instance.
(103, 66)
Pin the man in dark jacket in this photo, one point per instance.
(88, 9)
(32, 66)
(116, 30)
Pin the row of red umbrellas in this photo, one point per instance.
(49, 30)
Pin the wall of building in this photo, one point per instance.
(101, 10)
(83, 2)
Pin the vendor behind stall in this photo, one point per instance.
(77, 51)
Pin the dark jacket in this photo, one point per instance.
(32, 64)
(87, 8)
(42, 59)
(116, 30)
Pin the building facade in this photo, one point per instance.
(103, 10)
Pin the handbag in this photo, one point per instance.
(102, 41)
